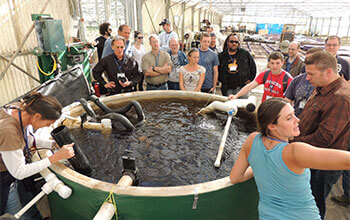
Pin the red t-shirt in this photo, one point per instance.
(273, 86)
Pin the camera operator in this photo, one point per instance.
(121, 71)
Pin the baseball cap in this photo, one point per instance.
(284, 46)
(165, 21)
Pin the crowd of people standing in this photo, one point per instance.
(304, 86)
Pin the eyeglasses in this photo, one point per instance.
(140, 38)
(119, 47)
(234, 41)
(331, 45)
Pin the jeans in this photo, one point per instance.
(321, 184)
(162, 87)
(206, 90)
(346, 183)
(173, 85)
(14, 202)
(235, 91)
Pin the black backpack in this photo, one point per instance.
(285, 79)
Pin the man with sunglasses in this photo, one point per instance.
(237, 67)
(123, 31)
(121, 71)
(332, 45)
(105, 31)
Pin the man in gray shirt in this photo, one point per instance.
(210, 61)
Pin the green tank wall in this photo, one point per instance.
(239, 201)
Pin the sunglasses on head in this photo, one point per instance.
(234, 41)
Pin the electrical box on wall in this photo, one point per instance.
(49, 34)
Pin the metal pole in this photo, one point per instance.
(322, 26)
(19, 68)
(150, 17)
(167, 8)
(329, 27)
(311, 18)
(192, 18)
(338, 25)
(183, 9)
(139, 15)
(97, 12)
(316, 26)
(22, 44)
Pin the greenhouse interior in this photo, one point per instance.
(175, 109)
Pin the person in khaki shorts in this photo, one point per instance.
(156, 65)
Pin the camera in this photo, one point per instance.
(122, 77)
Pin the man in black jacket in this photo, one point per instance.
(237, 67)
(121, 71)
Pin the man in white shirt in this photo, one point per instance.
(168, 34)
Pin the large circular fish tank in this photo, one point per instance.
(212, 199)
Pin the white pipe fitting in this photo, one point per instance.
(249, 104)
(106, 123)
(106, 212)
(56, 184)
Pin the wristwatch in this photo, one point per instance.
(153, 68)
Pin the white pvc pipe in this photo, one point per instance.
(232, 113)
(29, 204)
(106, 212)
(56, 184)
(46, 189)
(249, 104)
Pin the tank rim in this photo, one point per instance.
(75, 110)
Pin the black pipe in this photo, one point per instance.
(120, 118)
(80, 163)
(123, 110)
(87, 107)
(136, 105)
(100, 104)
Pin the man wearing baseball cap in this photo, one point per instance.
(168, 34)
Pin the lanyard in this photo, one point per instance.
(126, 46)
(157, 58)
(25, 137)
(230, 57)
(276, 139)
(308, 90)
(116, 62)
(273, 86)
(167, 38)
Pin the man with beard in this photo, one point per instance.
(237, 67)
(105, 31)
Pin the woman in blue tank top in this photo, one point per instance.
(281, 170)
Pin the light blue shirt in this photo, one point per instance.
(208, 59)
(283, 194)
(107, 49)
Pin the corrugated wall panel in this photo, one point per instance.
(15, 21)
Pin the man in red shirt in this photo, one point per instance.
(275, 80)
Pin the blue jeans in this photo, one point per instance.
(173, 85)
(346, 183)
(13, 204)
(321, 185)
(162, 87)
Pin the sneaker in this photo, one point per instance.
(341, 200)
